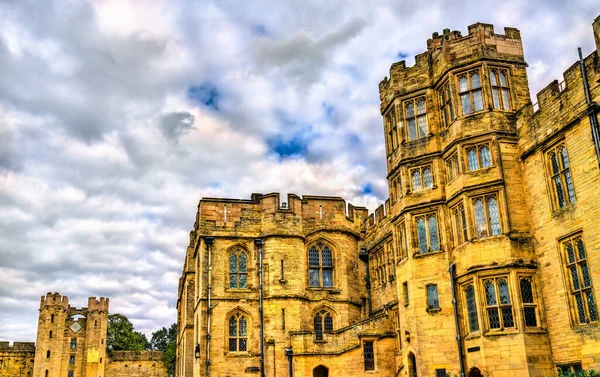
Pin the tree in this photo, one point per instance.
(121, 335)
(165, 340)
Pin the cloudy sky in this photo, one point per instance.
(116, 117)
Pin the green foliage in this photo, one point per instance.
(121, 335)
(165, 340)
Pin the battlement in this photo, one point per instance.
(135, 356)
(54, 299)
(266, 209)
(451, 50)
(17, 347)
(379, 216)
(97, 305)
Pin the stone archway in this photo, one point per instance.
(474, 372)
(321, 371)
(412, 365)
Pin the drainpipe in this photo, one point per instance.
(289, 352)
(452, 271)
(591, 107)
(209, 246)
(364, 256)
(259, 243)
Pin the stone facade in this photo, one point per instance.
(71, 342)
(485, 259)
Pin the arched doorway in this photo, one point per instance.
(412, 365)
(474, 372)
(321, 371)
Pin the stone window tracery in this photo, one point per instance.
(500, 88)
(238, 333)
(322, 323)
(415, 115)
(579, 280)
(238, 269)
(446, 105)
(320, 266)
(433, 301)
(498, 303)
(471, 305)
(427, 233)
(369, 355)
(460, 224)
(469, 86)
(392, 130)
(528, 301)
(422, 177)
(452, 167)
(561, 182)
(479, 157)
(487, 216)
(402, 241)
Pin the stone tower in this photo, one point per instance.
(71, 341)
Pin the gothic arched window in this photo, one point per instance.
(323, 323)
(238, 333)
(238, 269)
(320, 266)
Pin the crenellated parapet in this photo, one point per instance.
(17, 347)
(54, 299)
(100, 304)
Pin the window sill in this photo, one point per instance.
(238, 290)
(535, 330)
(559, 212)
(464, 116)
(473, 335)
(416, 141)
(433, 310)
(500, 332)
(419, 255)
(320, 341)
(239, 354)
(480, 170)
(326, 289)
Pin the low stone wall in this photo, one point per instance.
(135, 364)
(16, 360)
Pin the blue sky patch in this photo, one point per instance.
(296, 146)
(206, 94)
(367, 189)
(259, 30)
(402, 55)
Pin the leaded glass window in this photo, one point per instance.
(238, 333)
(563, 192)
(402, 241)
(498, 303)
(479, 157)
(469, 85)
(392, 130)
(322, 323)
(422, 177)
(369, 355)
(416, 118)
(529, 305)
(320, 266)
(446, 105)
(427, 233)
(580, 280)
(238, 269)
(460, 224)
(452, 167)
(487, 216)
(433, 301)
(471, 308)
(500, 89)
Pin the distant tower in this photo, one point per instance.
(71, 342)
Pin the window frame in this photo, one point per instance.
(469, 311)
(583, 291)
(461, 225)
(529, 305)
(238, 252)
(416, 116)
(478, 148)
(427, 216)
(494, 71)
(433, 304)
(470, 90)
(372, 367)
(421, 169)
(498, 306)
(323, 314)
(238, 316)
(446, 104)
(402, 241)
(563, 173)
(321, 246)
(391, 130)
(488, 224)
(405, 293)
(452, 167)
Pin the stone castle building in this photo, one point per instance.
(485, 260)
(71, 342)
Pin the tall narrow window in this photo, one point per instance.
(73, 344)
(416, 118)
(323, 323)
(479, 157)
(446, 106)
(487, 216)
(452, 167)
(498, 304)
(320, 266)
(427, 233)
(460, 224)
(369, 355)
(422, 177)
(561, 183)
(580, 280)
(50, 334)
(402, 241)
(471, 308)
(238, 270)
(48, 354)
(529, 306)
(51, 318)
(392, 130)
(433, 301)
(238, 333)
(469, 85)
(72, 359)
(70, 373)
(283, 319)
(405, 292)
(500, 90)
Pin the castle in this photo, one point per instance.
(71, 342)
(484, 261)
